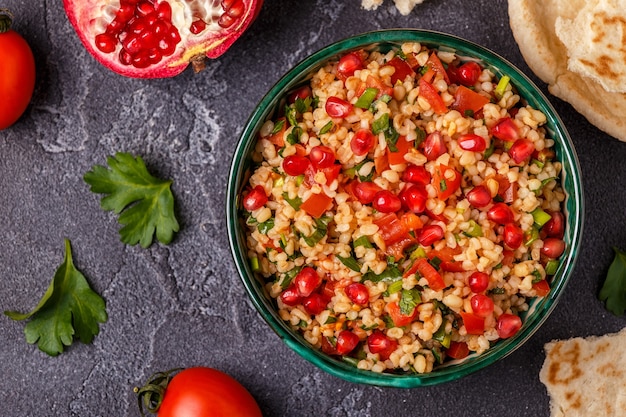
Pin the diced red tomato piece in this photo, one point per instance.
(331, 173)
(277, 138)
(402, 70)
(400, 319)
(446, 256)
(468, 100)
(457, 350)
(375, 82)
(411, 221)
(381, 163)
(396, 249)
(435, 64)
(391, 228)
(317, 204)
(431, 95)
(542, 288)
(473, 323)
(402, 147)
(446, 181)
(434, 278)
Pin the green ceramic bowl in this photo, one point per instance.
(539, 310)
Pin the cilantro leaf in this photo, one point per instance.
(146, 203)
(68, 308)
(613, 292)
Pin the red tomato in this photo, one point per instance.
(255, 199)
(414, 198)
(468, 73)
(295, 165)
(377, 342)
(315, 303)
(513, 235)
(479, 196)
(482, 305)
(391, 228)
(331, 173)
(434, 63)
(416, 175)
(430, 234)
(521, 150)
(386, 202)
(348, 64)
(431, 95)
(434, 278)
(402, 70)
(17, 66)
(553, 247)
(505, 129)
(300, 93)
(434, 146)
(205, 391)
(402, 148)
(322, 156)
(507, 325)
(336, 107)
(542, 288)
(358, 293)
(478, 281)
(398, 318)
(500, 213)
(307, 281)
(346, 342)
(472, 142)
(317, 204)
(362, 142)
(365, 191)
(473, 323)
(466, 99)
(446, 181)
(457, 350)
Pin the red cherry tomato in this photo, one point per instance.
(358, 293)
(306, 281)
(336, 107)
(295, 165)
(255, 199)
(322, 157)
(206, 391)
(478, 281)
(377, 342)
(17, 82)
(479, 196)
(346, 342)
(386, 202)
(362, 142)
(507, 325)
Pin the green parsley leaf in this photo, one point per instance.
(327, 127)
(146, 203)
(409, 299)
(390, 274)
(290, 113)
(266, 226)
(68, 308)
(293, 202)
(320, 231)
(613, 292)
(278, 126)
(302, 105)
(350, 262)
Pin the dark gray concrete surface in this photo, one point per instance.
(183, 304)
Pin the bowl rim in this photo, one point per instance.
(573, 207)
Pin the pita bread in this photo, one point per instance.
(586, 376)
(534, 26)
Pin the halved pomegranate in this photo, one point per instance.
(159, 38)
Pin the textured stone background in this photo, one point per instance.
(183, 304)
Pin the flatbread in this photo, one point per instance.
(534, 26)
(586, 376)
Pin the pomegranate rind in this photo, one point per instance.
(212, 43)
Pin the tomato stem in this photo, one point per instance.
(6, 18)
(151, 395)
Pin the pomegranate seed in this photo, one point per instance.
(295, 165)
(434, 146)
(348, 64)
(197, 26)
(553, 247)
(362, 141)
(164, 11)
(468, 73)
(479, 196)
(132, 44)
(358, 293)
(174, 36)
(141, 60)
(138, 26)
(513, 236)
(366, 191)
(125, 12)
(227, 4)
(346, 342)
(106, 42)
(155, 56)
(377, 342)
(472, 142)
(337, 107)
(255, 199)
(124, 57)
(482, 305)
(386, 202)
(555, 227)
(290, 296)
(430, 234)
(507, 325)
(151, 19)
(299, 93)
(505, 129)
(322, 157)
(416, 175)
(414, 198)
(500, 213)
(236, 9)
(307, 281)
(225, 21)
(314, 304)
(115, 27)
(148, 40)
(478, 281)
(521, 150)
(144, 8)
(167, 48)
(160, 29)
